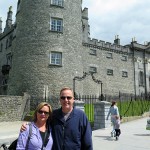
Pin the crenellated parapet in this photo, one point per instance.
(99, 44)
(85, 13)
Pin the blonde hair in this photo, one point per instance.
(41, 105)
(66, 88)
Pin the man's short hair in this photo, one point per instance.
(66, 88)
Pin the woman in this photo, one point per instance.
(41, 137)
(114, 112)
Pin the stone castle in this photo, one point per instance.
(49, 47)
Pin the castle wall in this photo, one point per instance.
(34, 43)
(112, 84)
(5, 59)
(14, 108)
(142, 64)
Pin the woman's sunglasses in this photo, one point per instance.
(41, 112)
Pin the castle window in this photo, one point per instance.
(140, 65)
(57, 2)
(9, 59)
(141, 78)
(4, 82)
(124, 58)
(1, 48)
(124, 74)
(6, 43)
(10, 40)
(56, 25)
(109, 55)
(110, 72)
(93, 69)
(56, 58)
(92, 51)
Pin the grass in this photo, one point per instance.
(133, 108)
(89, 111)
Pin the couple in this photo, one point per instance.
(67, 128)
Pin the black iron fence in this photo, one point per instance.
(128, 104)
(131, 105)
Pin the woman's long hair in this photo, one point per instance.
(42, 104)
(113, 103)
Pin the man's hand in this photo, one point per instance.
(23, 126)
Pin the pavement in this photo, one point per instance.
(134, 136)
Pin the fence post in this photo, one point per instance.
(100, 113)
(120, 103)
(79, 104)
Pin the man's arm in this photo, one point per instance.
(24, 126)
(86, 142)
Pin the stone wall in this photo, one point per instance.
(100, 113)
(14, 108)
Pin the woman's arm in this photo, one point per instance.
(108, 114)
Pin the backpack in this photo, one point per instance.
(13, 145)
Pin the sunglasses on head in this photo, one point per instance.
(66, 97)
(41, 112)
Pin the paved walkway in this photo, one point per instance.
(134, 136)
(9, 131)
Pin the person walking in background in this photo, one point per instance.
(117, 127)
(41, 135)
(71, 129)
(113, 111)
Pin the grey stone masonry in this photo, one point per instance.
(40, 57)
(13, 108)
(79, 104)
(100, 113)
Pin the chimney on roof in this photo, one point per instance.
(133, 40)
(117, 40)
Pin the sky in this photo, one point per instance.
(107, 18)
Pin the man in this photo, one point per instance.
(71, 129)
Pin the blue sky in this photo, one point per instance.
(107, 18)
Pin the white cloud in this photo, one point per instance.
(107, 18)
(126, 18)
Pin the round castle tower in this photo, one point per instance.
(47, 48)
